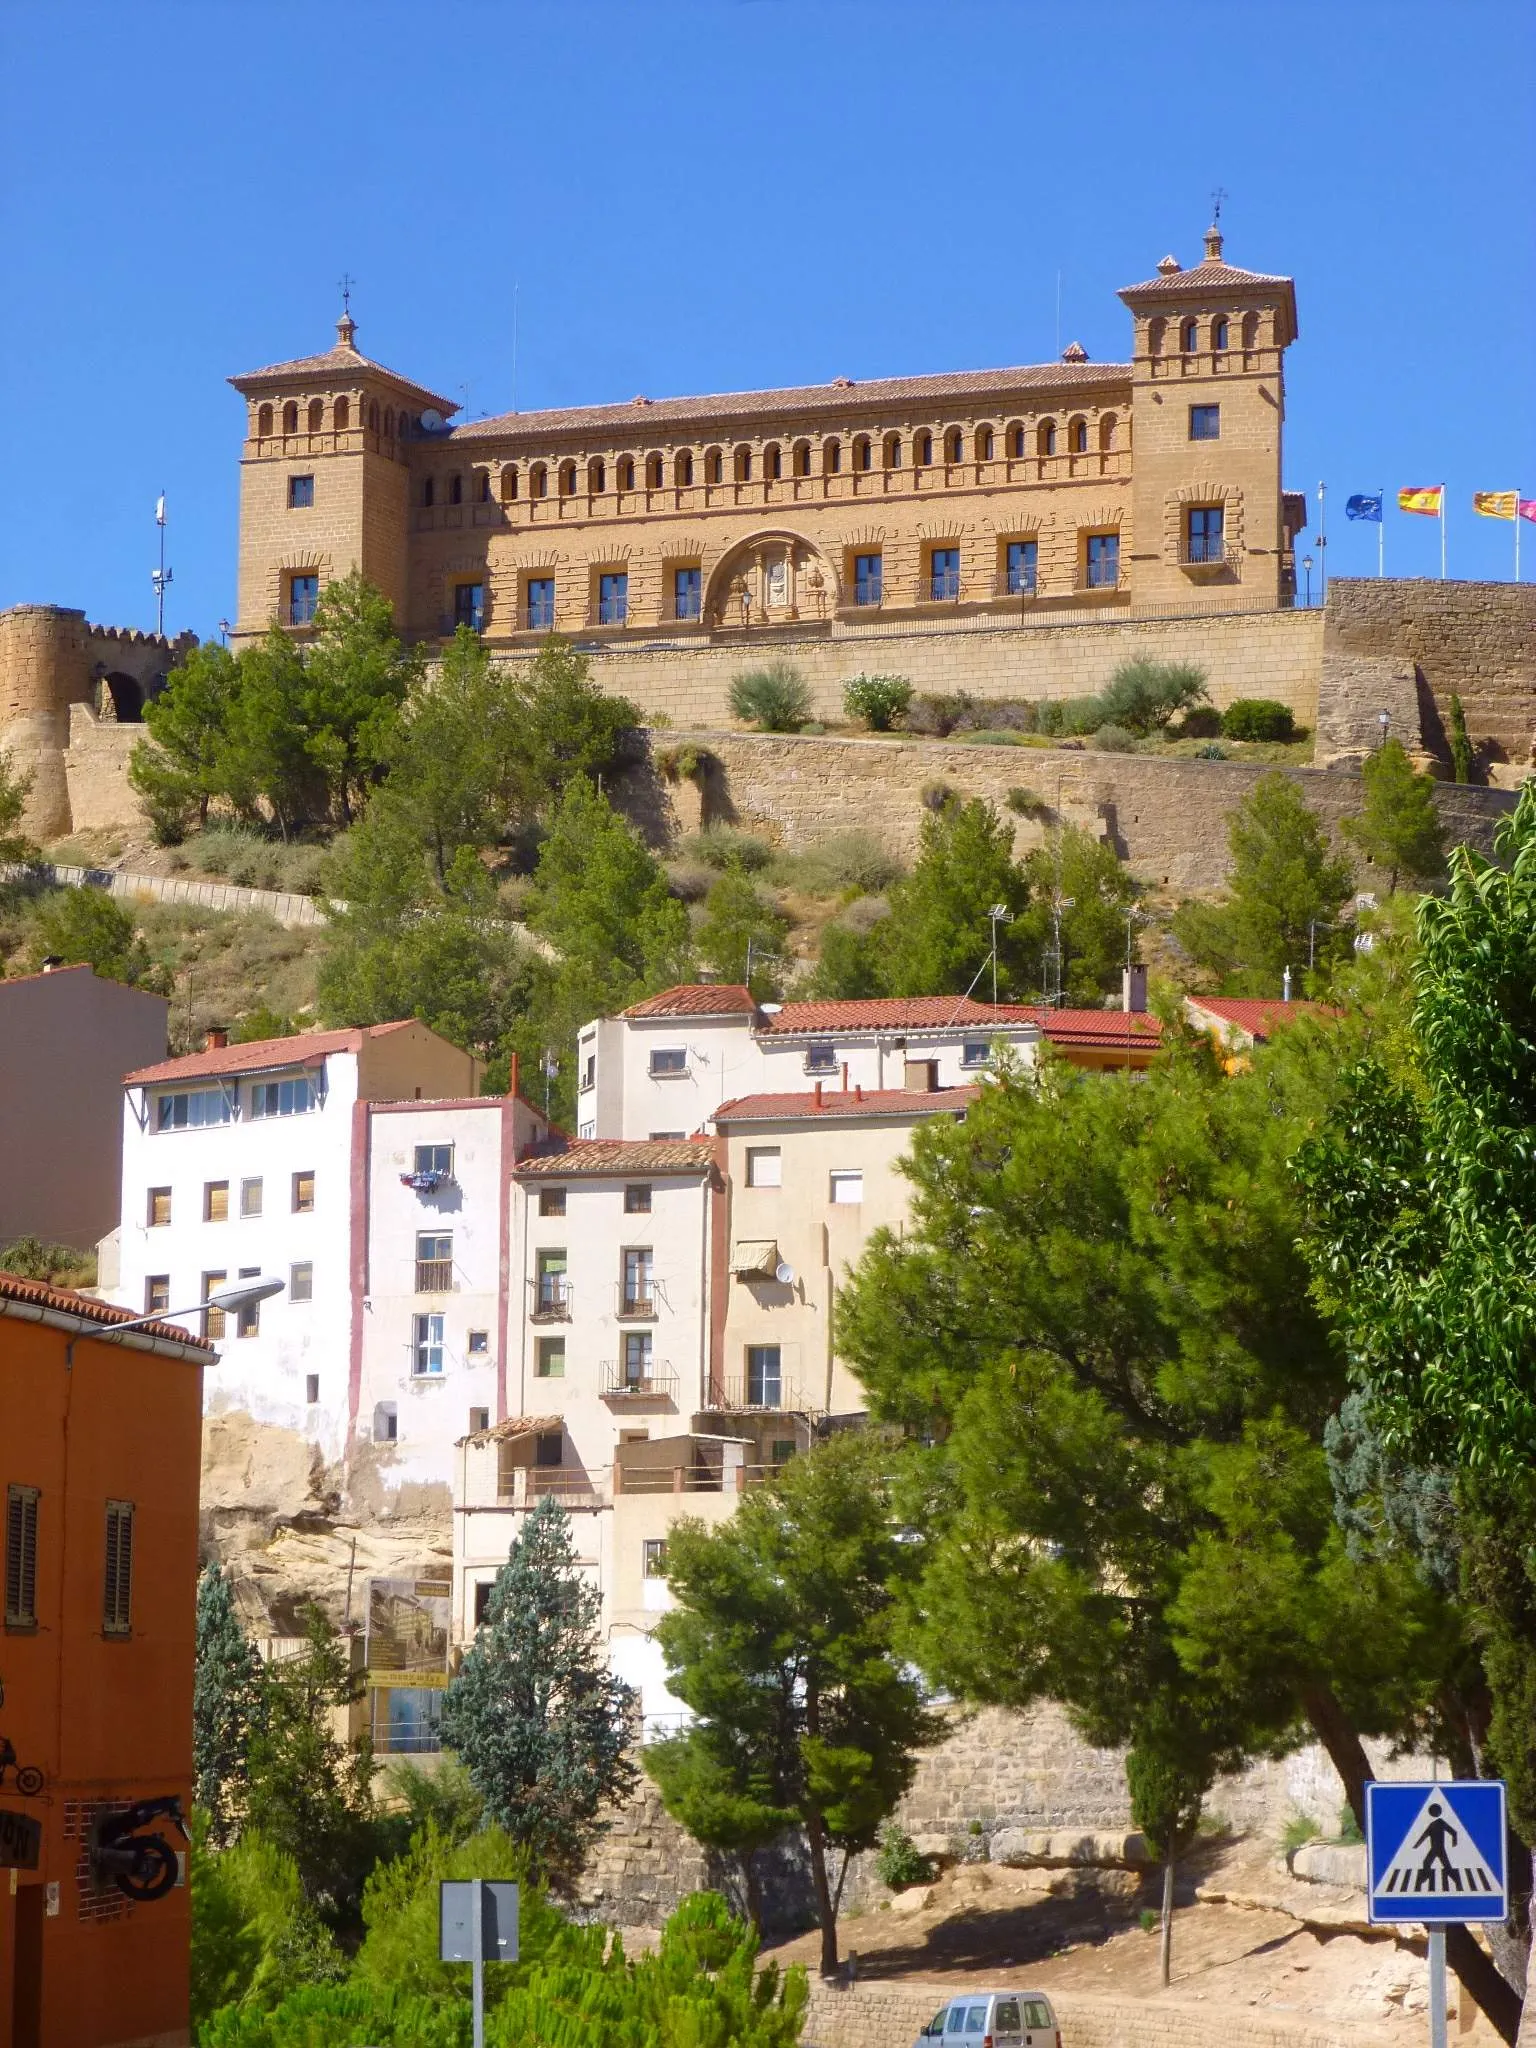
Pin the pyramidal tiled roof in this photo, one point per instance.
(343, 359)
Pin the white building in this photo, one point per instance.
(662, 1068)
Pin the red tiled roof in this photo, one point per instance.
(588, 1156)
(1212, 274)
(261, 1055)
(1099, 1027)
(817, 400)
(697, 999)
(845, 1103)
(1258, 1016)
(897, 1013)
(338, 361)
(67, 1302)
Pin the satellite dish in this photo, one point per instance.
(432, 419)
(784, 1273)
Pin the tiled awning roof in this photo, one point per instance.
(595, 1157)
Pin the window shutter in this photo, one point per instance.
(21, 1556)
(117, 1601)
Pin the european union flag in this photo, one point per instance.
(1360, 507)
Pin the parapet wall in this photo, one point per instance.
(1246, 654)
(1165, 818)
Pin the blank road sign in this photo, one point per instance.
(456, 1921)
(1436, 1853)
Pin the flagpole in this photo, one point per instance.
(1442, 532)
(1322, 543)
(1517, 533)
(1381, 532)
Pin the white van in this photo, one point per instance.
(993, 2019)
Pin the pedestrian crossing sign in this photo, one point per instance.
(1436, 1853)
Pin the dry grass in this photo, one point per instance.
(222, 965)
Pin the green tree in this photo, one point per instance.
(571, 729)
(309, 1793)
(1285, 893)
(533, 1712)
(458, 760)
(1173, 1760)
(1461, 745)
(16, 849)
(1399, 828)
(1099, 1319)
(938, 938)
(270, 752)
(183, 763)
(740, 924)
(1144, 695)
(226, 1700)
(356, 677)
(254, 1934)
(1096, 891)
(88, 926)
(783, 1642)
(851, 965)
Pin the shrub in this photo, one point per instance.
(1007, 714)
(1144, 695)
(690, 881)
(1025, 803)
(987, 738)
(1461, 745)
(899, 1863)
(57, 1265)
(877, 700)
(1200, 722)
(727, 846)
(1213, 750)
(1258, 718)
(1115, 739)
(685, 763)
(1074, 715)
(1297, 1831)
(935, 716)
(774, 698)
(937, 796)
(841, 861)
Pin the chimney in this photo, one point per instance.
(1285, 987)
(818, 1095)
(215, 1038)
(858, 1091)
(845, 1077)
(1133, 988)
(53, 960)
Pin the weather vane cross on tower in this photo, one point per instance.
(1216, 198)
(346, 291)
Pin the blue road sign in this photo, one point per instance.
(1436, 1853)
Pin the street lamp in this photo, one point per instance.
(1384, 719)
(1306, 563)
(228, 1298)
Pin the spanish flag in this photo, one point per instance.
(1429, 499)
(1496, 504)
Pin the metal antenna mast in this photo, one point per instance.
(162, 576)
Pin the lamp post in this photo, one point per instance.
(1384, 720)
(228, 1299)
(1306, 563)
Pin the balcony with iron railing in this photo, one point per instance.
(623, 1382)
(763, 1394)
(551, 1301)
(434, 1276)
(1208, 557)
(1102, 578)
(638, 1304)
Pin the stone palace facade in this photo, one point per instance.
(1073, 489)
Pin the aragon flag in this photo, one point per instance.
(1496, 504)
(1427, 498)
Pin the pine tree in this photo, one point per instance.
(1399, 829)
(939, 935)
(225, 1702)
(739, 926)
(533, 1713)
(1461, 745)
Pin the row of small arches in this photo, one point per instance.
(313, 416)
(1189, 334)
(747, 466)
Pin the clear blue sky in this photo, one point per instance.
(703, 195)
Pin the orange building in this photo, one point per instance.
(99, 1452)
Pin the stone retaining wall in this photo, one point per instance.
(1165, 817)
(282, 904)
(1248, 654)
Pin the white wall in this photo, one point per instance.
(264, 1374)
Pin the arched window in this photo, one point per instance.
(389, 422)
(264, 421)
(773, 462)
(743, 465)
(863, 455)
(923, 451)
(893, 451)
(714, 467)
(373, 415)
(291, 417)
(482, 486)
(1220, 333)
(1157, 334)
(1045, 438)
(1107, 428)
(343, 415)
(1077, 437)
(1016, 441)
(429, 491)
(1250, 330)
(682, 470)
(508, 483)
(626, 472)
(1189, 340)
(831, 457)
(567, 479)
(455, 489)
(316, 415)
(802, 458)
(653, 472)
(984, 444)
(954, 445)
(597, 476)
(538, 481)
